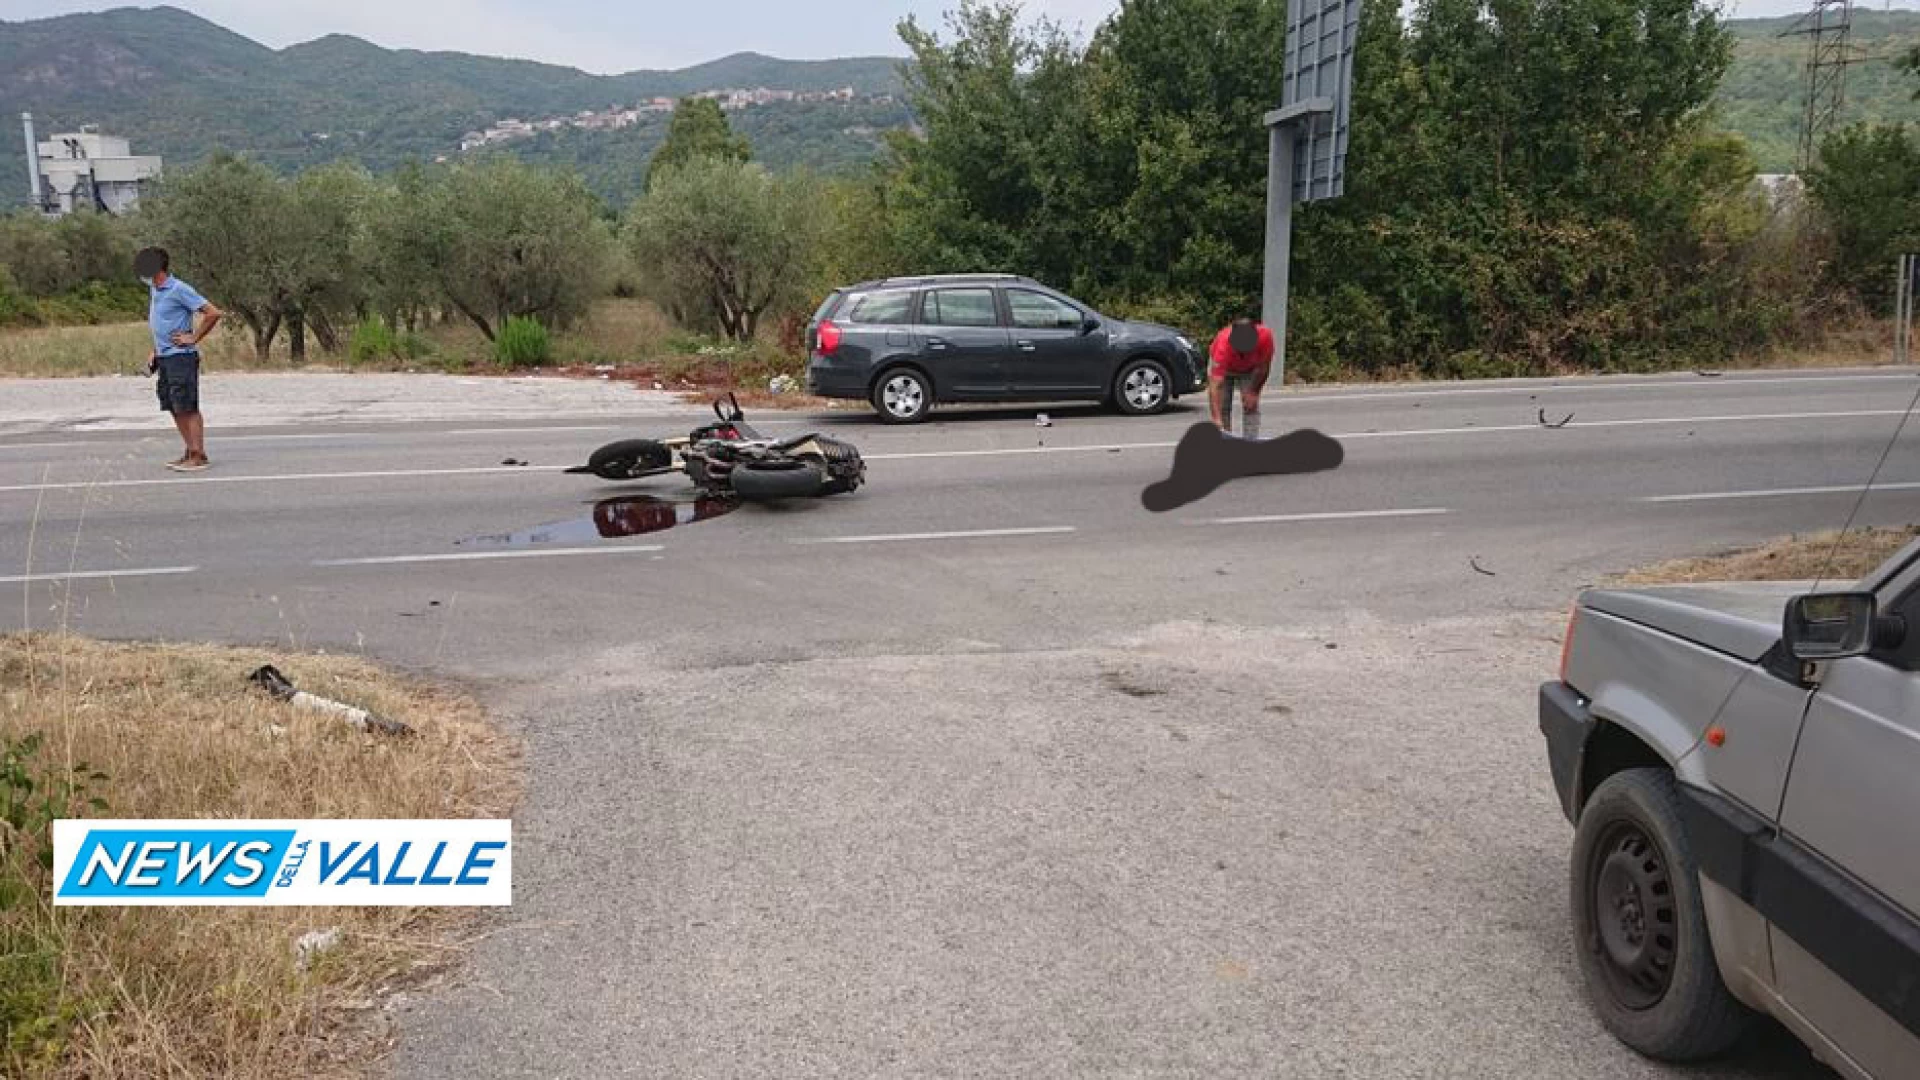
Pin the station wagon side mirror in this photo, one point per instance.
(1088, 325)
(1831, 626)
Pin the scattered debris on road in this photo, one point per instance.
(1709, 374)
(1478, 569)
(1043, 420)
(1546, 423)
(268, 678)
(515, 462)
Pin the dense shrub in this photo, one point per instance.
(522, 342)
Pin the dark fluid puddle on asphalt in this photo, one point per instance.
(612, 519)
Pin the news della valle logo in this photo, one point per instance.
(283, 863)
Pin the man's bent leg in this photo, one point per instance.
(1250, 408)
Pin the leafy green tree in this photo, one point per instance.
(1867, 183)
(397, 243)
(977, 190)
(699, 129)
(725, 239)
(31, 251)
(511, 240)
(318, 250)
(224, 226)
(97, 247)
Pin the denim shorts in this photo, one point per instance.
(179, 383)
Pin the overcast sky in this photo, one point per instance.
(609, 37)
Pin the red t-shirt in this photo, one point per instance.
(1228, 362)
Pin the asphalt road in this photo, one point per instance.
(985, 770)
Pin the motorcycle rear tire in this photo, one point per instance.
(630, 459)
(758, 481)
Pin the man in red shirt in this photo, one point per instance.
(1242, 360)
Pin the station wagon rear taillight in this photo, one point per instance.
(829, 338)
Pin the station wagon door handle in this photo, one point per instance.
(1026, 346)
(936, 343)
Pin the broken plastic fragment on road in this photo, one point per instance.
(613, 519)
(1208, 457)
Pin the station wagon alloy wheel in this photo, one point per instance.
(1145, 388)
(1635, 915)
(903, 397)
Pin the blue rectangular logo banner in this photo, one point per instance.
(454, 863)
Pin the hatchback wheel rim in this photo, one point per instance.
(904, 396)
(1635, 916)
(1145, 388)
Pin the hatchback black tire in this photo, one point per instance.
(902, 396)
(1640, 932)
(1142, 388)
(757, 481)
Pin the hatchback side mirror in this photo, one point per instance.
(1831, 626)
(1088, 325)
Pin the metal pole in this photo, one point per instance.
(1900, 311)
(1279, 256)
(1907, 308)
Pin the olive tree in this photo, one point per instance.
(224, 226)
(507, 240)
(725, 240)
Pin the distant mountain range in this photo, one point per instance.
(180, 86)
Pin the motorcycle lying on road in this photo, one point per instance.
(730, 457)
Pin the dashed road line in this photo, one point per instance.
(1769, 493)
(1341, 515)
(88, 575)
(481, 556)
(970, 534)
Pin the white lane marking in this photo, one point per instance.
(130, 444)
(1344, 515)
(1534, 388)
(79, 575)
(521, 430)
(1711, 496)
(1020, 450)
(286, 477)
(477, 556)
(974, 534)
(1002, 452)
(1645, 421)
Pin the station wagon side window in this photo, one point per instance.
(960, 307)
(1038, 311)
(882, 308)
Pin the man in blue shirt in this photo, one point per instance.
(171, 309)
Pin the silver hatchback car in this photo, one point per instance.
(1742, 766)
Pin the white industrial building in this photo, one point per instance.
(86, 170)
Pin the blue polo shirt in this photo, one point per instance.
(172, 307)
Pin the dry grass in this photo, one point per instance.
(616, 332)
(179, 733)
(1795, 558)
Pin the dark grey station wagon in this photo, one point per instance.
(907, 344)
